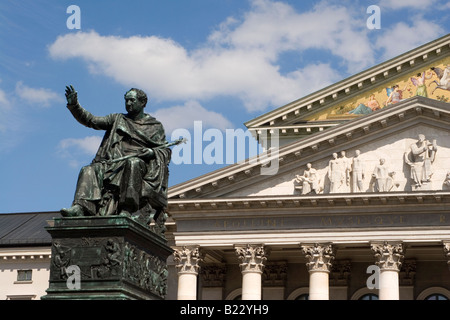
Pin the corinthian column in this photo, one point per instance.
(252, 259)
(389, 255)
(319, 258)
(187, 261)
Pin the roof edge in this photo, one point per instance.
(357, 79)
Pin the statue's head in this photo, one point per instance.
(135, 101)
(421, 137)
(141, 95)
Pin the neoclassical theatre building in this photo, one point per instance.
(351, 200)
(358, 206)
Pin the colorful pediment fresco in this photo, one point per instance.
(432, 82)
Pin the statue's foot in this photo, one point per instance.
(74, 211)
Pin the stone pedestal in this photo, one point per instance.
(106, 257)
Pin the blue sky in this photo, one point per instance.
(221, 62)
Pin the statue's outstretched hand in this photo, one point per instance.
(71, 95)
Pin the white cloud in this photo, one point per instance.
(39, 97)
(239, 59)
(407, 37)
(74, 149)
(88, 145)
(184, 116)
(275, 27)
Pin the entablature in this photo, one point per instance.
(379, 200)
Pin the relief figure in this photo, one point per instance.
(357, 172)
(420, 158)
(309, 181)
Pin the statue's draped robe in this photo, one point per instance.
(109, 185)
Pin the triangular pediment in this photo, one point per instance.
(359, 94)
(388, 133)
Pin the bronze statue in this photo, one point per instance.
(129, 174)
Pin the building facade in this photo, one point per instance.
(350, 201)
(25, 252)
(357, 203)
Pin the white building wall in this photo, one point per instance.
(13, 260)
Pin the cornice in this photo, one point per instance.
(388, 199)
(354, 85)
(22, 254)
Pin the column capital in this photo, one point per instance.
(389, 254)
(319, 255)
(252, 257)
(187, 259)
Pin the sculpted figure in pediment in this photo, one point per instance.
(357, 172)
(383, 179)
(339, 169)
(309, 181)
(446, 183)
(420, 158)
(336, 174)
(346, 167)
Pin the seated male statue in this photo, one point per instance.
(129, 174)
